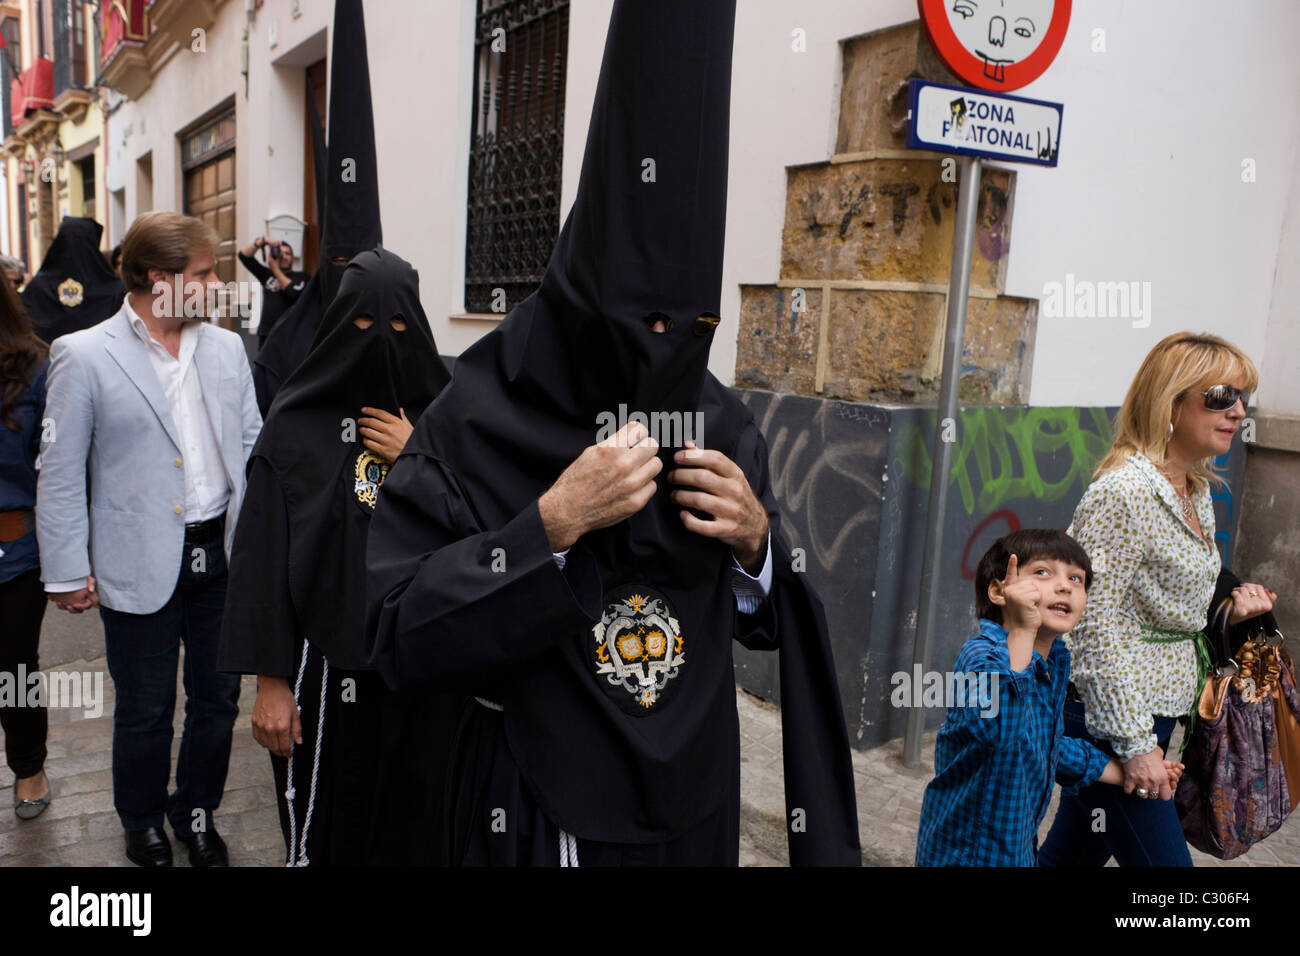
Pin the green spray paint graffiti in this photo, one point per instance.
(997, 453)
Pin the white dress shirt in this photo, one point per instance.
(207, 490)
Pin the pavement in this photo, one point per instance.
(80, 827)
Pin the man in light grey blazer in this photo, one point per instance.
(151, 416)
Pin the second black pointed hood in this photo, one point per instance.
(352, 222)
(348, 182)
(312, 443)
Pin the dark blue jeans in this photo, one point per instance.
(1135, 830)
(143, 650)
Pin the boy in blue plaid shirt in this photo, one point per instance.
(995, 766)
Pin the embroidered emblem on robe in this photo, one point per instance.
(637, 648)
(71, 293)
(369, 472)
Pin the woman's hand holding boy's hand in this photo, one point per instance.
(1115, 771)
(1148, 772)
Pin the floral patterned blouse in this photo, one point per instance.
(1149, 568)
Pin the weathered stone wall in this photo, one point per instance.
(858, 310)
(1268, 551)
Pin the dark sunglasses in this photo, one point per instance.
(1220, 398)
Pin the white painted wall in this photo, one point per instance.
(1148, 189)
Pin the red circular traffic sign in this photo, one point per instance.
(996, 44)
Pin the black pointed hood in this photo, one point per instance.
(75, 287)
(329, 479)
(350, 221)
(352, 175)
(645, 234)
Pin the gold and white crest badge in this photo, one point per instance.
(638, 648)
(369, 473)
(71, 292)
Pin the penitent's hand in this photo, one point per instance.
(607, 483)
(713, 483)
(276, 722)
(383, 432)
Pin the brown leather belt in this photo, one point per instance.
(17, 524)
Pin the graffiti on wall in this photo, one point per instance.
(1002, 455)
(825, 462)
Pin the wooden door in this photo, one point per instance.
(210, 196)
(315, 89)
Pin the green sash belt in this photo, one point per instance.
(1204, 663)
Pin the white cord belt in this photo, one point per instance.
(298, 852)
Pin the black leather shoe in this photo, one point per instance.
(148, 847)
(206, 848)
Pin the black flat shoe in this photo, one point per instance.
(206, 848)
(31, 809)
(148, 847)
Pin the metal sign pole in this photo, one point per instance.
(953, 339)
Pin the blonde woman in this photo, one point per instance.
(1147, 524)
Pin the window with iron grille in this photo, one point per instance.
(69, 25)
(87, 169)
(516, 149)
(60, 13)
(79, 77)
(12, 59)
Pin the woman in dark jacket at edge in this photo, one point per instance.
(24, 362)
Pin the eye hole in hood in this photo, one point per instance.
(706, 324)
(654, 318)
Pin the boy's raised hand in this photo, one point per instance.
(1023, 600)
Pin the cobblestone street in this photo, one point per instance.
(80, 828)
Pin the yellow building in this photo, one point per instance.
(53, 150)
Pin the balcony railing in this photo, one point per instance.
(126, 23)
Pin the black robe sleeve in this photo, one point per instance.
(443, 594)
(820, 794)
(259, 633)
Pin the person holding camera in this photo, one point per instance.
(281, 283)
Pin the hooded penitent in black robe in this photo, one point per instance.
(75, 287)
(351, 221)
(297, 572)
(561, 747)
